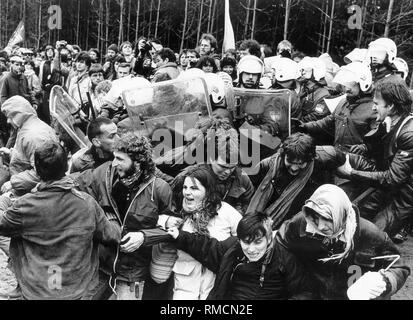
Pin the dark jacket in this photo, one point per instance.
(55, 233)
(284, 277)
(395, 173)
(348, 124)
(141, 215)
(17, 85)
(312, 104)
(333, 278)
(327, 158)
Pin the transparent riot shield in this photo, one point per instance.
(62, 109)
(271, 105)
(176, 105)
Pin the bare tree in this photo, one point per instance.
(388, 20)
(254, 13)
(209, 16)
(120, 38)
(287, 17)
(157, 18)
(39, 24)
(200, 21)
(137, 20)
(129, 24)
(107, 23)
(331, 25)
(78, 22)
(184, 27)
(150, 19)
(247, 19)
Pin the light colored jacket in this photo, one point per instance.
(192, 280)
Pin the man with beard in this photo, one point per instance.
(207, 45)
(132, 197)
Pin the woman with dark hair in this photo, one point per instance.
(229, 65)
(203, 213)
(207, 64)
(94, 55)
(183, 60)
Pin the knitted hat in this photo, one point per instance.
(113, 47)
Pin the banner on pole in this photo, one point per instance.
(229, 38)
(16, 38)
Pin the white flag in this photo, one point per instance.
(17, 37)
(229, 39)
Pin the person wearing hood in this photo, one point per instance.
(31, 133)
(339, 248)
(354, 116)
(165, 61)
(55, 231)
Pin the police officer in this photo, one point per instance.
(313, 89)
(250, 70)
(381, 55)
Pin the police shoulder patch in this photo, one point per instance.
(319, 108)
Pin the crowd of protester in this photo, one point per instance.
(320, 219)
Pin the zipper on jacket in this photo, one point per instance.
(123, 225)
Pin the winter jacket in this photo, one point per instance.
(327, 158)
(141, 215)
(312, 104)
(32, 133)
(170, 68)
(55, 233)
(348, 124)
(192, 280)
(333, 278)
(80, 85)
(17, 85)
(395, 169)
(284, 276)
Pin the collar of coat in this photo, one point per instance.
(66, 183)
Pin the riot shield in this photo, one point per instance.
(176, 105)
(255, 143)
(62, 109)
(273, 103)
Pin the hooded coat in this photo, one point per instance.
(31, 133)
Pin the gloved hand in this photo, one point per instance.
(359, 149)
(370, 286)
(297, 126)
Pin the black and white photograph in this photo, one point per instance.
(206, 154)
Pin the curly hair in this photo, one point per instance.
(212, 202)
(139, 149)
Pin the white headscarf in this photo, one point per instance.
(332, 203)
